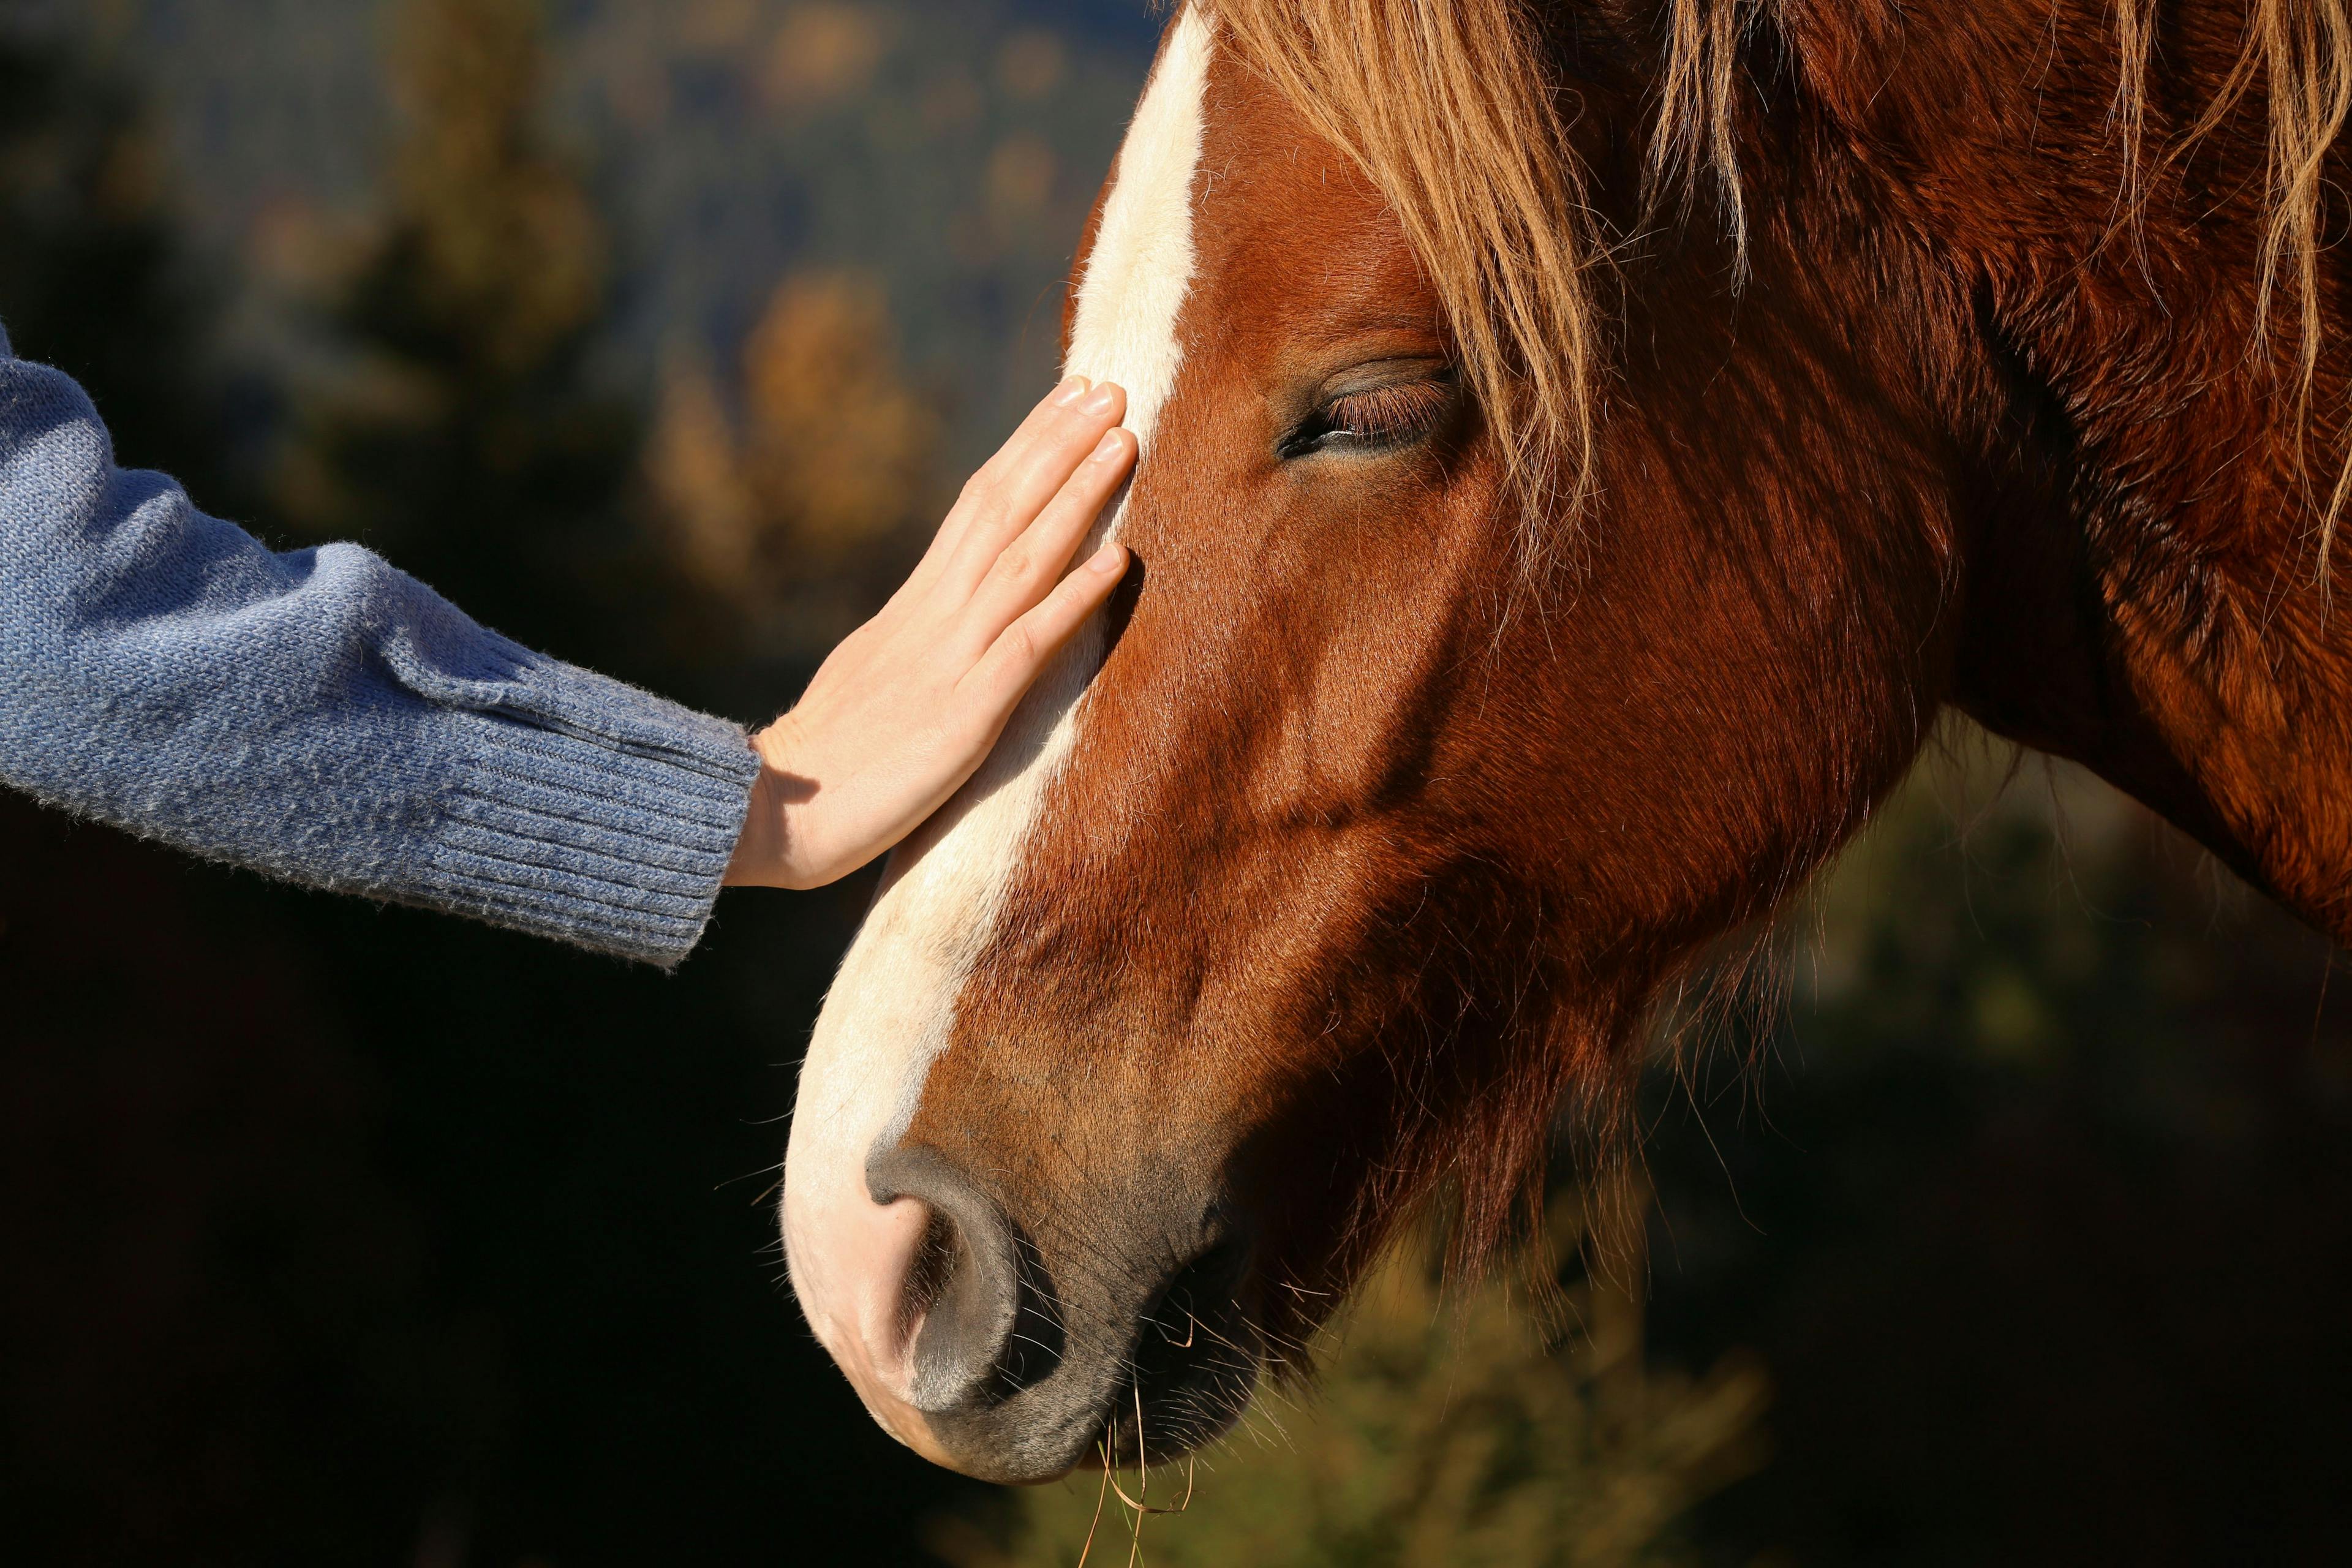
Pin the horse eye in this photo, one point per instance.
(1374, 420)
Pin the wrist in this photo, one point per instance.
(765, 854)
(777, 745)
(751, 866)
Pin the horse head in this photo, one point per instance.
(1472, 683)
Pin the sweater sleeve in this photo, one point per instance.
(321, 717)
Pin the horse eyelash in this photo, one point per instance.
(1389, 412)
(1381, 417)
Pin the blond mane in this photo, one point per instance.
(1450, 108)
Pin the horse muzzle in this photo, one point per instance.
(1013, 1352)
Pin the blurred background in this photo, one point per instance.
(2014, 1222)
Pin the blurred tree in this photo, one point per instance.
(829, 481)
(467, 440)
(1434, 1437)
(838, 445)
(823, 52)
(694, 467)
(92, 277)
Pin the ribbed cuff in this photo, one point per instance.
(593, 813)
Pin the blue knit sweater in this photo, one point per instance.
(322, 717)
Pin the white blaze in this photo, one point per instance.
(893, 1004)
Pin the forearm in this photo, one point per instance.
(323, 717)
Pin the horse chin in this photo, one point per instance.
(988, 1333)
(1183, 1377)
(1137, 1418)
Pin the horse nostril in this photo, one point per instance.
(975, 1300)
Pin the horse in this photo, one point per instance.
(1586, 445)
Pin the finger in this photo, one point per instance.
(1027, 645)
(1007, 496)
(958, 522)
(1027, 569)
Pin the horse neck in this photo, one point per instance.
(2143, 589)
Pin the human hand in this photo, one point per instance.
(904, 711)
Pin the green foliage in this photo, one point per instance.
(1439, 1435)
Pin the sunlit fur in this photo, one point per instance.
(2301, 52)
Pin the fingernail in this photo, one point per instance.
(1103, 399)
(1108, 447)
(1070, 391)
(1106, 560)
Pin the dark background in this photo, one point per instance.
(337, 1234)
